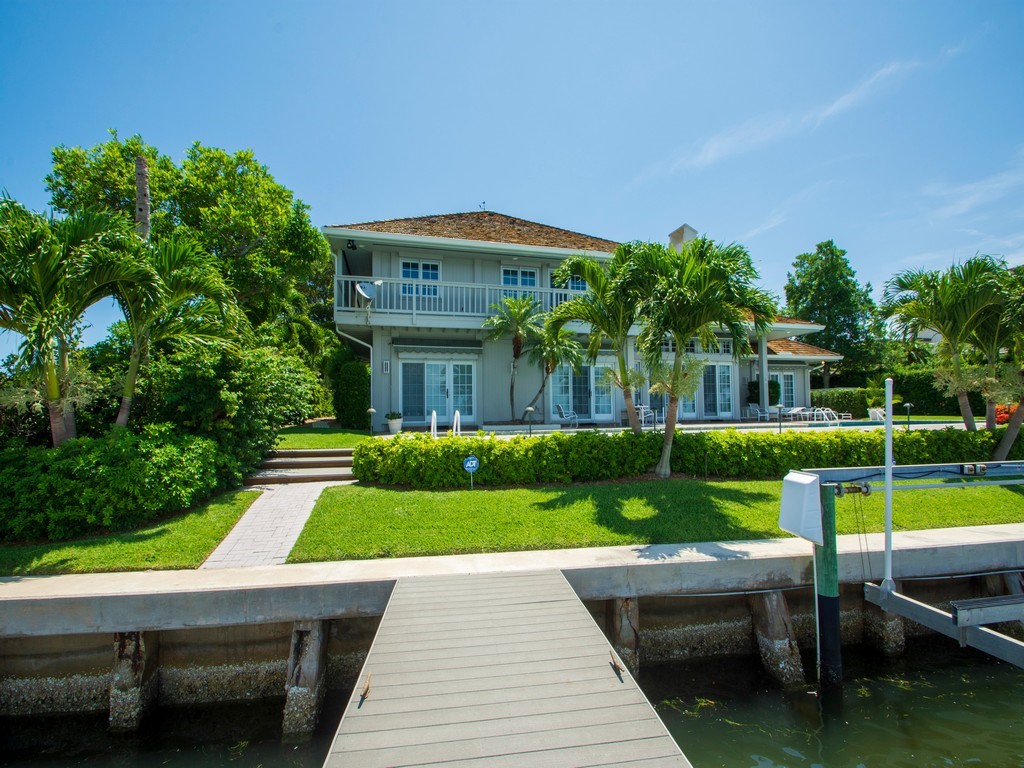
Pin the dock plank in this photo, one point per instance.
(496, 670)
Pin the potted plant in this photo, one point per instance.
(394, 421)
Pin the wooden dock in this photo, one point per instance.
(500, 669)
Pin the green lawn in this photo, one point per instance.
(354, 522)
(181, 542)
(318, 437)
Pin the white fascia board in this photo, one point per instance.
(452, 244)
(776, 358)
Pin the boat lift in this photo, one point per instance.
(808, 511)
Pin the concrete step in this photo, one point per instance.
(300, 453)
(305, 462)
(304, 475)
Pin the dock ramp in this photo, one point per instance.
(497, 669)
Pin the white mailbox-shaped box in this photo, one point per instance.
(800, 513)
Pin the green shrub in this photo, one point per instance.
(352, 395)
(238, 399)
(918, 387)
(852, 401)
(419, 461)
(109, 483)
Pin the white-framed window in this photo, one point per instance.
(787, 386)
(518, 277)
(420, 270)
(577, 283)
(691, 346)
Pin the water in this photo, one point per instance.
(938, 706)
(246, 735)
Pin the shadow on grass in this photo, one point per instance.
(679, 511)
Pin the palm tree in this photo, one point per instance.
(689, 293)
(1013, 318)
(608, 307)
(554, 347)
(955, 303)
(990, 336)
(520, 318)
(51, 272)
(186, 300)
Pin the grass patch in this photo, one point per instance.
(180, 542)
(354, 522)
(291, 438)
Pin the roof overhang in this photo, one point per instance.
(368, 238)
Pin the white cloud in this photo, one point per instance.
(768, 129)
(960, 199)
(775, 219)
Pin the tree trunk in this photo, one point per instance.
(965, 412)
(129, 390)
(57, 429)
(664, 468)
(543, 383)
(70, 427)
(1010, 436)
(512, 391)
(627, 396)
(990, 415)
(826, 375)
(142, 197)
(631, 416)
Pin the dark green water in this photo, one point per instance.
(939, 706)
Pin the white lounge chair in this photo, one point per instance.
(645, 414)
(570, 416)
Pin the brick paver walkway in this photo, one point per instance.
(270, 527)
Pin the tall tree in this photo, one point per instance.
(956, 303)
(51, 272)
(185, 300)
(823, 288)
(518, 317)
(229, 203)
(689, 293)
(608, 307)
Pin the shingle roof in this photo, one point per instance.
(488, 226)
(794, 321)
(790, 347)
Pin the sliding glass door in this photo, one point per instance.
(441, 386)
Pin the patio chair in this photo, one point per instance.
(645, 414)
(757, 413)
(799, 412)
(571, 417)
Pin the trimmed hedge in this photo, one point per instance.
(419, 461)
(918, 387)
(852, 401)
(109, 483)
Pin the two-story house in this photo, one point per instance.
(412, 294)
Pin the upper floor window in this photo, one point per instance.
(518, 276)
(691, 346)
(420, 270)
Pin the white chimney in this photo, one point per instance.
(684, 234)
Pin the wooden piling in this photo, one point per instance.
(624, 630)
(304, 688)
(776, 640)
(826, 559)
(133, 679)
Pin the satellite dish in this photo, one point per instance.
(367, 290)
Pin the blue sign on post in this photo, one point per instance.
(471, 464)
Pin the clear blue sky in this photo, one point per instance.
(894, 128)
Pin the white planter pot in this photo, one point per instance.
(394, 426)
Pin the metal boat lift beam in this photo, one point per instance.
(993, 643)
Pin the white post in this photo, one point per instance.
(888, 585)
(433, 424)
(457, 424)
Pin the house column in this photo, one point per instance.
(762, 370)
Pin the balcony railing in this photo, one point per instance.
(429, 297)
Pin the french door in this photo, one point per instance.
(441, 386)
(717, 386)
(585, 391)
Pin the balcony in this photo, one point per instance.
(427, 302)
